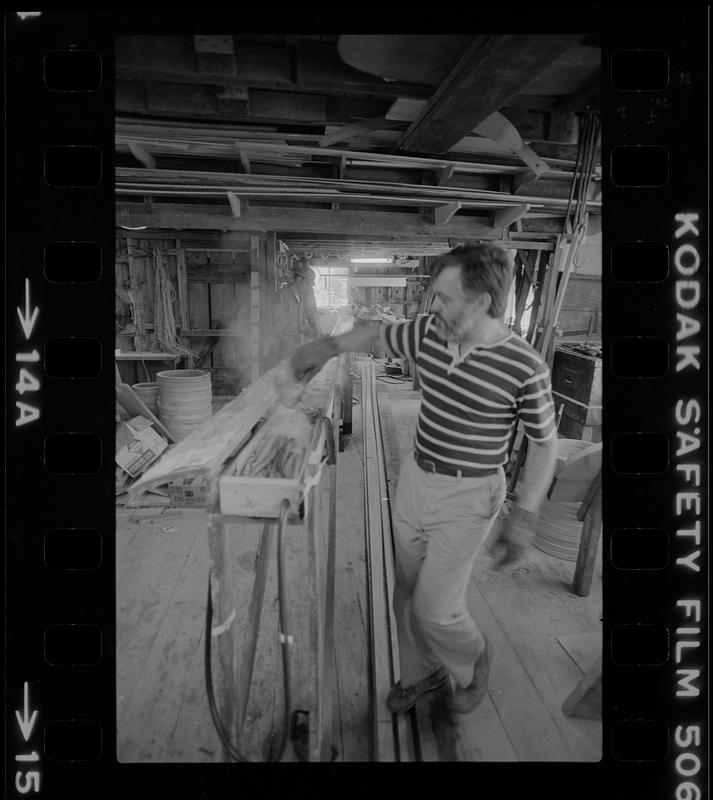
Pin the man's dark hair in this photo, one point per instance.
(484, 268)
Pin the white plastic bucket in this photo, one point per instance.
(184, 400)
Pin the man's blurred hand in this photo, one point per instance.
(309, 359)
(514, 538)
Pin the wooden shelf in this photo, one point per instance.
(147, 356)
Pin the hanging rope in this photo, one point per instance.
(165, 338)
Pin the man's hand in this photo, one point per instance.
(309, 359)
(514, 538)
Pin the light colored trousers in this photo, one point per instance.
(439, 524)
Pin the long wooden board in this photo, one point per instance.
(204, 452)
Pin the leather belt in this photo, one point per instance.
(428, 465)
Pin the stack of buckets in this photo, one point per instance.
(148, 393)
(558, 532)
(184, 400)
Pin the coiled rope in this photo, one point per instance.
(165, 339)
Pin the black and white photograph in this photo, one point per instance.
(358, 398)
(357, 401)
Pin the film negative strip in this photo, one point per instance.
(61, 699)
(655, 241)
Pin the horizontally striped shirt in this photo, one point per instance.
(470, 403)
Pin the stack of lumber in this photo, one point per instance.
(261, 437)
(157, 182)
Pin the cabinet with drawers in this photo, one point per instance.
(577, 383)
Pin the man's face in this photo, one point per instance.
(456, 313)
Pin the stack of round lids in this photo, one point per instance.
(558, 531)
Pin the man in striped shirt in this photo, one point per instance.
(477, 378)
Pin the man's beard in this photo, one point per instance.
(456, 330)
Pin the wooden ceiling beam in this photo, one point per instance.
(318, 68)
(263, 218)
(586, 99)
(483, 81)
(346, 132)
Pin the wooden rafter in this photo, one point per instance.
(442, 215)
(478, 85)
(354, 129)
(262, 218)
(506, 216)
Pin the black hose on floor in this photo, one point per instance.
(234, 751)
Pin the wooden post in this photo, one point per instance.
(255, 350)
(544, 261)
(525, 260)
(591, 531)
(548, 295)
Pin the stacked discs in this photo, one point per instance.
(148, 392)
(558, 532)
(184, 400)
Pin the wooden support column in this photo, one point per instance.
(591, 514)
(544, 262)
(549, 289)
(255, 344)
(522, 289)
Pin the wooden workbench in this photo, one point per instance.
(242, 520)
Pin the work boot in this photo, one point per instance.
(402, 698)
(465, 700)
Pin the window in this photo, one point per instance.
(331, 287)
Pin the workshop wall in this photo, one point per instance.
(211, 298)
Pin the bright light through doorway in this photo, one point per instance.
(331, 289)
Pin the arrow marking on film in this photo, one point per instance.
(26, 723)
(28, 320)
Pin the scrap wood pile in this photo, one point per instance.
(279, 447)
(281, 444)
(251, 436)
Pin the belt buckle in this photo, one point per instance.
(425, 463)
(429, 466)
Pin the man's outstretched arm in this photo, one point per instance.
(308, 359)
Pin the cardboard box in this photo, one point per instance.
(188, 493)
(137, 445)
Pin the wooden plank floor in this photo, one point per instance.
(162, 571)
(534, 621)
